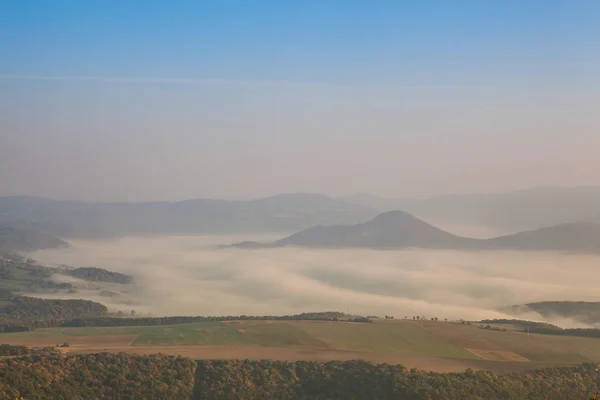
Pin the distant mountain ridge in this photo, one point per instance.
(398, 229)
(513, 211)
(281, 213)
(517, 211)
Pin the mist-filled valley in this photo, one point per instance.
(191, 276)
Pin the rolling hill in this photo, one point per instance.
(13, 238)
(393, 229)
(578, 237)
(398, 229)
(282, 213)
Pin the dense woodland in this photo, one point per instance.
(126, 376)
(23, 308)
(96, 376)
(9, 350)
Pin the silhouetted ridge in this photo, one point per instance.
(399, 229)
(392, 229)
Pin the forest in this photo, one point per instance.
(126, 376)
(22, 308)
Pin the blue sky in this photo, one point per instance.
(223, 76)
(351, 42)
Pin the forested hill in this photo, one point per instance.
(48, 375)
(23, 308)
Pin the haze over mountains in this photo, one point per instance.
(281, 213)
(505, 212)
(569, 216)
(398, 229)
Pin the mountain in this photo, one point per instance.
(398, 229)
(505, 212)
(282, 213)
(22, 239)
(577, 237)
(393, 229)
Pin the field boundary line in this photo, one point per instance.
(134, 339)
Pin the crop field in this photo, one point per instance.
(198, 334)
(542, 348)
(269, 333)
(384, 337)
(436, 346)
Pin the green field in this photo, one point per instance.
(277, 334)
(203, 333)
(540, 348)
(198, 334)
(381, 341)
(65, 333)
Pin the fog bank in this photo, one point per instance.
(188, 276)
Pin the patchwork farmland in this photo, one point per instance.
(439, 346)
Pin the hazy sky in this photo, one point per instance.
(157, 100)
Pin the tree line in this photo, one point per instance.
(126, 376)
(151, 321)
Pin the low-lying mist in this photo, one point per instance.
(189, 276)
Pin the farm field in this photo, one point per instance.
(438, 346)
(540, 348)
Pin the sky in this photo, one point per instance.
(158, 100)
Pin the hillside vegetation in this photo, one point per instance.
(23, 308)
(124, 376)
